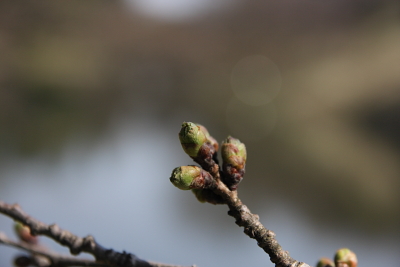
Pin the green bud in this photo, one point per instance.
(191, 177)
(344, 257)
(325, 262)
(192, 137)
(203, 129)
(234, 152)
(182, 177)
(24, 233)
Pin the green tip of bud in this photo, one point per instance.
(234, 152)
(182, 177)
(345, 257)
(325, 262)
(192, 137)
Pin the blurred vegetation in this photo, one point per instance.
(73, 66)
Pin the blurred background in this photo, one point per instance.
(93, 93)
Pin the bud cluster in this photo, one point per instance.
(202, 148)
(344, 257)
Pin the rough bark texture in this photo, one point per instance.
(76, 245)
(244, 218)
(254, 229)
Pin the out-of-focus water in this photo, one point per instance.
(118, 190)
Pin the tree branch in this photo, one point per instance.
(55, 258)
(76, 245)
(253, 227)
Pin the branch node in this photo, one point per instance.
(89, 243)
(54, 229)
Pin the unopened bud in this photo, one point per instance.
(234, 161)
(189, 177)
(24, 233)
(325, 262)
(192, 137)
(234, 152)
(207, 195)
(344, 257)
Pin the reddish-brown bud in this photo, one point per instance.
(234, 152)
(234, 161)
(24, 233)
(325, 262)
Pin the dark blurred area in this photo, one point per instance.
(324, 135)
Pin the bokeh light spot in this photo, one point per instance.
(250, 122)
(177, 10)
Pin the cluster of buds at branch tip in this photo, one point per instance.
(344, 257)
(24, 233)
(191, 177)
(234, 161)
(325, 262)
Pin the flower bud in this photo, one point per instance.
(234, 152)
(24, 233)
(234, 160)
(188, 177)
(207, 195)
(192, 137)
(344, 257)
(325, 262)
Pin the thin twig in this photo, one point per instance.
(76, 245)
(254, 229)
(55, 258)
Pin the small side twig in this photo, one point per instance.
(76, 245)
(55, 258)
